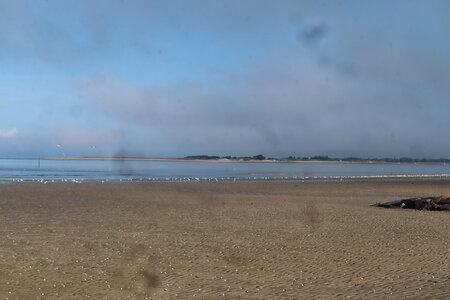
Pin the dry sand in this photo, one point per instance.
(222, 240)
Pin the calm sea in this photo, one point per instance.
(28, 170)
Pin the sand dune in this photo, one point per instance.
(224, 240)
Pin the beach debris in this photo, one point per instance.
(423, 203)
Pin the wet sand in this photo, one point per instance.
(222, 240)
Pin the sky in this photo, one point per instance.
(226, 77)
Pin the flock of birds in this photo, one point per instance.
(233, 179)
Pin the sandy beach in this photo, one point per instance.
(295, 239)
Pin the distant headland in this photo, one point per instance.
(262, 158)
(321, 158)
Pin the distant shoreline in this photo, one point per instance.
(225, 160)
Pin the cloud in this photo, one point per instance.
(8, 133)
(362, 102)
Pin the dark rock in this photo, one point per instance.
(425, 203)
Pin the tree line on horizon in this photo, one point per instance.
(322, 158)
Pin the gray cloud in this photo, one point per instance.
(287, 103)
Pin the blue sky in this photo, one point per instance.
(227, 77)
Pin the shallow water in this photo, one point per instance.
(28, 170)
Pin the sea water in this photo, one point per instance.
(62, 170)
